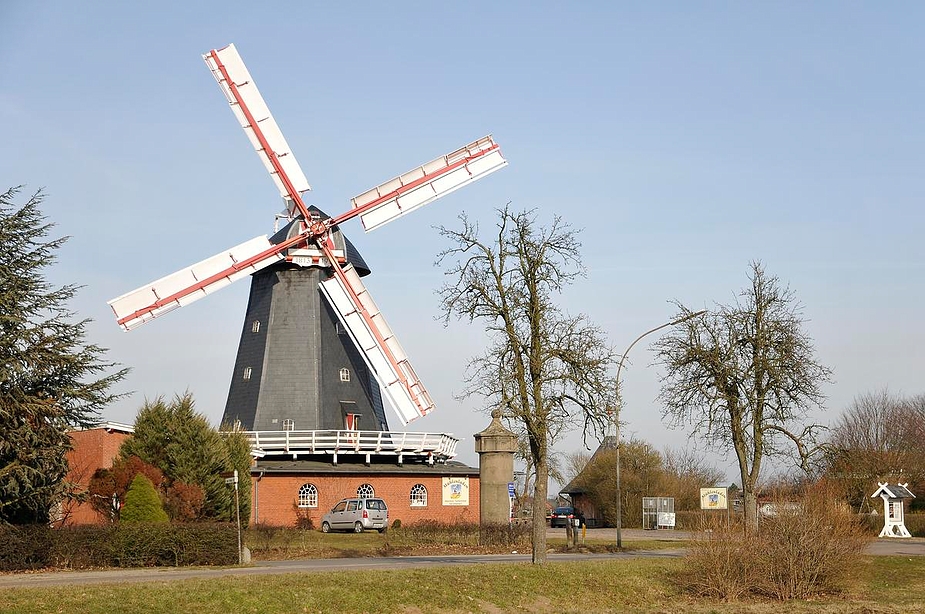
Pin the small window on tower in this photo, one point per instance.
(288, 425)
(255, 327)
(345, 375)
(340, 328)
(247, 373)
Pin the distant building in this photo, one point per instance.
(579, 496)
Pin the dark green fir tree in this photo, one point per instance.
(51, 378)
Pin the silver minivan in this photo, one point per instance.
(356, 515)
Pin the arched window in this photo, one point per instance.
(365, 491)
(308, 495)
(418, 496)
(345, 375)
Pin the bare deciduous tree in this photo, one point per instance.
(546, 370)
(745, 375)
(686, 472)
(879, 437)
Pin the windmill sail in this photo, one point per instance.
(384, 355)
(254, 116)
(194, 282)
(428, 182)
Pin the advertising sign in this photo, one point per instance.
(666, 519)
(714, 499)
(455, 491)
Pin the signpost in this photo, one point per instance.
(231, 477)
(510, 497)
(715, 499)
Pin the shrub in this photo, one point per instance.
(126, 545)
(263, 535)
(303, 518)
(142, 503)
(506, 534)
(803, 550)
(184, 501)
(25, 547)
(915, 523)
(463, 533)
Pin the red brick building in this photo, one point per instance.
(303, 474)
(286, 490)
(93, 449)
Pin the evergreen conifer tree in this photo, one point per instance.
(142, 503)
(51, 379)
(186, 448)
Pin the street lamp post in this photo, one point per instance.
(619, 402)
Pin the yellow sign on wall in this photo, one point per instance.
(714, 499)
(455, 491)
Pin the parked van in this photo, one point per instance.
(356, 515)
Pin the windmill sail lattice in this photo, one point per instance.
(308, 310)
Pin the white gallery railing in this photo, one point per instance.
(434, 446)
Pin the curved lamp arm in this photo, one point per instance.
(616, 413)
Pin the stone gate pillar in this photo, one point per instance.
(496, 446)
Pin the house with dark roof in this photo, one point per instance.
(578, 494)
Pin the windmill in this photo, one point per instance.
(310, 319)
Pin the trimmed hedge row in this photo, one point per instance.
(125, 545)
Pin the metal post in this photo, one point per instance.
(619, 403)
(237, 510)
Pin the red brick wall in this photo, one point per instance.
(93, 449)
(275, 497)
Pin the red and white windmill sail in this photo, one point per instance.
(344, 290)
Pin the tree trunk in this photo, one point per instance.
(540, 492)
(750, 502)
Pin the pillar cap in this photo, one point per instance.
(495, 438)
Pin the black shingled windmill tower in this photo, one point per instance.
(315, 353)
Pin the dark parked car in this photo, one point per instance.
(561, 516)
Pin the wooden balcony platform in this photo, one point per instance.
(430, 447)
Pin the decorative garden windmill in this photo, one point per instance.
(303, 352)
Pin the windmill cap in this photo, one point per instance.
(353, 255)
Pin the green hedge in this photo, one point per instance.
(127, 545)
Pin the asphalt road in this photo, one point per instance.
(881, 547)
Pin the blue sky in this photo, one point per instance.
(685, 139)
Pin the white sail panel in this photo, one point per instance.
(247, 97)
(428, 182)
(384, 355)
(194, 282)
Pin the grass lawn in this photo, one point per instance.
(884, 584)
(295, 544)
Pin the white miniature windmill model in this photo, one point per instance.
(311, 240)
